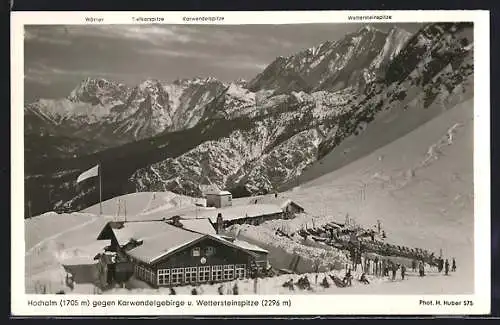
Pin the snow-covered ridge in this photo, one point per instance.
(333, 64)
(132, 113)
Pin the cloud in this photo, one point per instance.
(240, 63)
(38, 79)
(156, 35)
(31, 35)
(175, 53)
(44, 74)
(152, 34)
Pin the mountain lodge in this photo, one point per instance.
(168, 254)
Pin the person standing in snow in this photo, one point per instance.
(325, 283)
(421, 269)
(403, 271)
(348, 278)
(235, 289)
(394, 270)
(446, 267)
(453, 265)
(363, 279)
(414, 265)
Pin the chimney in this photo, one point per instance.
(219, 224)
(176, 221)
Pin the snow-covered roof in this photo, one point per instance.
(199, 225)
(159, 214)
(80, 255)
(164, 241)
(140, 231)
(248, 246)
(160, 238)
(213, 190)
(218, 193)
(155, 248)
(280, 201)
(237, 212)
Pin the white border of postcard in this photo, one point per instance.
(301, 304)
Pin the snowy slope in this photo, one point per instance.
(420, 186)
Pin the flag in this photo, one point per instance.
(92, 172)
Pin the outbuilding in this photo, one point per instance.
(217, 198)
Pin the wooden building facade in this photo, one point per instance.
(172, 256)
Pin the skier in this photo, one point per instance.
(414, 265)
(403, 271)
(348, 278)
(194, 291)
(235, 289)
(220, 290)
(446, 267)
(172, 291)
(453, 265)
(421, 269)
(325, 283)
(363, 279)
(394, 269)
(440, 265)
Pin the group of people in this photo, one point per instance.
(387, 249)
(381, 267)
(445, 264)
(378, 266)
(302, 283)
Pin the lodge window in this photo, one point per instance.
(240, 271)
(150, 276)
(203, 273)
(196, 251)
(163, 276)
(176, 275)
(210, 251)
(228, 272)
(139, 271)
(145, 274)
(190, 274)
(217, 273)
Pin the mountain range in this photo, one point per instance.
(249, 137)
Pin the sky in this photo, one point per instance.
(57, 58)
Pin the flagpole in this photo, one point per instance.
(100, 191)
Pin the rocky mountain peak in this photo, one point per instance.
(96, 91)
